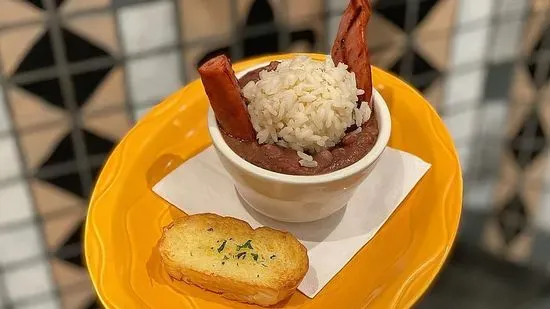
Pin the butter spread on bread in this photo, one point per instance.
(225, 255)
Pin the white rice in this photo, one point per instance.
(305, 105)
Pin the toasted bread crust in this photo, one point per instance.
(276, 280)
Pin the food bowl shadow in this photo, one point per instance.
(315, 231)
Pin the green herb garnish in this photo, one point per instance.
(272, 257)
(242, 254)
(247, 244)
(220, 249)
(254, 256)
(225, 257)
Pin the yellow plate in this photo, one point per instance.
(125, 217)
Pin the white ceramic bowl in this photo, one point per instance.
(293, 198)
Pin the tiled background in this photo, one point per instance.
(76, 74)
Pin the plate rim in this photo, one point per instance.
(457, 180)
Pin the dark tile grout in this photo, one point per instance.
(67, 91)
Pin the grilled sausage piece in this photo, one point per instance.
(224, 93)
(350, 45)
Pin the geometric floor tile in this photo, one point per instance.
(462, 125)
(523, 96)
(39, 4)
(505, 40)
(47, 91)
(37, 145)
(471, 11)
(508, 180)
(433, 36)
(12, 11)
(160, 31)
(100, 29)
(97, 145)
(58, 229)
(205, 18)
(63, 152)
(5, 121)
(303, 12)
(86, 83)
(518, 251)
(20, 244)
(152, 78)
(15, 203)
(512, 219)
(78, 48)
(71, 248)
(261, 13)
(40, 55)
(499, 77)
(113, 125)
(534, 67)
(470, 46)
(16, 43)
(529, 141)
(417, 69)
(9, 158)
(541, 249)
(464, 157)
(50, 200)
(30, 110)
(544, 110)
(386, 41)
(73, 6)
(455, 98)
(71, 179)
(478, 195)
(471, 226)
(542, 220)
(95, 305)
(31, 280)
(81, 297)
(67, 275)
(434, 93)
(51, 302)
(521, 249)
(396, 12)
(492, 238)
(107, 96)
(533, 181)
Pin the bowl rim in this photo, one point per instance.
(384, 124)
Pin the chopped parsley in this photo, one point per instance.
(247, 244)
(272, 257)
(254, 256)
(222, 246)
(242, 254)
